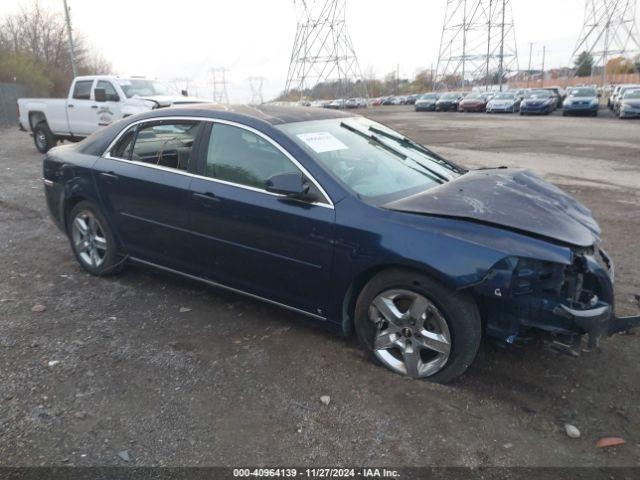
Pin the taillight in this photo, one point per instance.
(18, 109)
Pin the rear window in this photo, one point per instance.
(82, 90)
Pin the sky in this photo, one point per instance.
(184, 39)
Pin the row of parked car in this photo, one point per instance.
(624, 101)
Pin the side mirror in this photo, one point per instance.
(100, 95)
(184, 93)
(292, 185)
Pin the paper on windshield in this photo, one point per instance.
(321, 142)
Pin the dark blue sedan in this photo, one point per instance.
(541, 102)
(343, 220)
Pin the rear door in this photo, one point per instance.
(250, 239)
(144, 182)
(81, 115)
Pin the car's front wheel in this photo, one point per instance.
(417, 327)
(92, 241)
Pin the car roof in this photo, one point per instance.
(267, 113)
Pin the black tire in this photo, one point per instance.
(564, 113)
(111, 262)
(458, 309)
(43, 137)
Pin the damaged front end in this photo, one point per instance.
(566, 300)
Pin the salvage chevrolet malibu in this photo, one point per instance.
(341, 219)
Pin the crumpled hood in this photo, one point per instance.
(515, 199)
(168, 100)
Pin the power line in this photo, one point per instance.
(323, 51)
(609, 30)
(478, 41)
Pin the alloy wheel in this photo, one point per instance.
(89, 239)
(41, 140)
(412, 335)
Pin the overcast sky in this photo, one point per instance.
(186, 38)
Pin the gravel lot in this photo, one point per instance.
(120, 364)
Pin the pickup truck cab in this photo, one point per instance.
(93, 102)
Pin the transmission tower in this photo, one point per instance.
(323, 52)
(219, 79)
(609, 30)
(478, 43)
(255, 83)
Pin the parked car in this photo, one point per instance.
(448, 102)
(612, 97)
(582, 100)
(623, 90)
(426, 102)
(93, 102)
(377, 101)
(474, 102)
(390, 101)
(310, 210)
(630, 104)
(411, 99)
(559, 94)
(539, 102)
(338, 104)
(504, 102)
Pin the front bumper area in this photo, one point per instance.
(566, 301)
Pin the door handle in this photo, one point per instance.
(70, 106)
(94, 106)
(109, 177)
(206, 198)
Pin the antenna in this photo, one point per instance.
(323, 52)
(219, 79)
(478, 43)
(255, 83)
(609, 30)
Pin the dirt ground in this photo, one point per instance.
(119, 365)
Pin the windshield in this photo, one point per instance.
(370, 159)
(632, 94)
(474, 96)
(449, 96)
(504, 96)
(538, 94)
(583, 92)
(429, 96)
(143, 88)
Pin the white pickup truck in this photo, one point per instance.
(93, 102)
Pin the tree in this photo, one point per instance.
(39, 36)
(584, 64)
(620, 65)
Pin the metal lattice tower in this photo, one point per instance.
(478, 43)
(219, 79)
(609, 31)
(323, 51)
(255, 83)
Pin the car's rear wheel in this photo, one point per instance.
(91, 240)
(417, 327)
(43, 137)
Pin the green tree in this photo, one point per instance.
(584, 64)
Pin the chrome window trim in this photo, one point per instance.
(107, 154)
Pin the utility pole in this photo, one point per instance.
(544, 52)
(255, 83)
(529, 68)
(609, 30)
(397, 78)
(71, 51)
(323, 52)
(501, 46)
(478, 40)
(219, 79)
